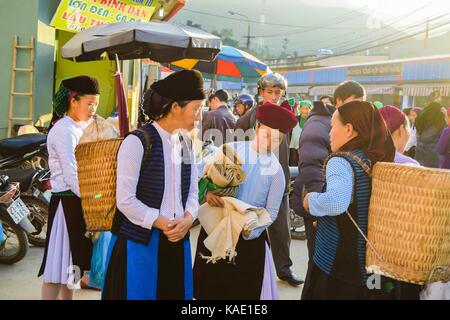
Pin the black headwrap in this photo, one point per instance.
(181, 86)
(70, 88)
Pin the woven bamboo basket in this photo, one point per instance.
(409, 222)
(97, 164)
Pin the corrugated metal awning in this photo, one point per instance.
(420, 90)
(322, 90)
(297, 89)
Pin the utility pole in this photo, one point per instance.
(248, 26)
(427, 34)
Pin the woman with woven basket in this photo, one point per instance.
(359, 139)
(68, 252)
(149, 255)
(251, 272)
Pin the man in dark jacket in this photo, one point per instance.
(219, 120)
(314, 148)
(271, 87)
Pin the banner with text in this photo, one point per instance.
(78, 15)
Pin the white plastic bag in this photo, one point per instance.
(437, 288)
(99, 129)
(436, 291)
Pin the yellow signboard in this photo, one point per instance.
(77, 15)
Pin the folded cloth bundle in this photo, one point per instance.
(222, 174)
(224, 226)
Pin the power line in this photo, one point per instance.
(357, 49)
(269, 23)
(390, 34)
(390, 25)
(313, 28)
(387, 36)
(399, 39)
(296, 33)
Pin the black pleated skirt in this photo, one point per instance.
(241, 280)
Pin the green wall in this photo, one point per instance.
(103, 71)
(27, 18)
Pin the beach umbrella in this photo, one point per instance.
(230, 64)
(159, 41)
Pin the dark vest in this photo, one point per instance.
(340, 250)
(150, 187)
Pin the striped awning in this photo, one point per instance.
(379, 89)
(297, 89)
(420, 90)
(322, 90)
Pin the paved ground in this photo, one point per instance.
(19, 281)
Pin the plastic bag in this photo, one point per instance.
(99, 129)
(436, 291)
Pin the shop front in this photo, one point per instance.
(404, 83)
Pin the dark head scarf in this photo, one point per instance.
(181, 86)
(430, 116)
(71, 88)
(373, 136)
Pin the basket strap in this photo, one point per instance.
(148, 143)
(444, 269)
(358, 160)
(379, 256)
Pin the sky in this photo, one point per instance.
(313, 24)
(382, 10)
(386, 11)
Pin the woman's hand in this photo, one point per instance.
(162, 223)
(213, 200)
(305, 202)
(246, 233)
(178, 228)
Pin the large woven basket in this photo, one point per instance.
(409, 222)
(97, 164)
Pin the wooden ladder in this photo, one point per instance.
(13, 92)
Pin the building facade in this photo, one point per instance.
(405, 82)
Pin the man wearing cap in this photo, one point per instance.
(251, 276)
(271, 88)
(219, 120)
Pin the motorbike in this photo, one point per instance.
(14, 223)
(35, 193)
(25, 151)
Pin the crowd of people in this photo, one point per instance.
(335, 142)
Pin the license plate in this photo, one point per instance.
(18, 210)
(47, 195)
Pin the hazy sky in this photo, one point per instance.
(313, 24)
(387, 10)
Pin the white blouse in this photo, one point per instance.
(129, 161)
(61, 142)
